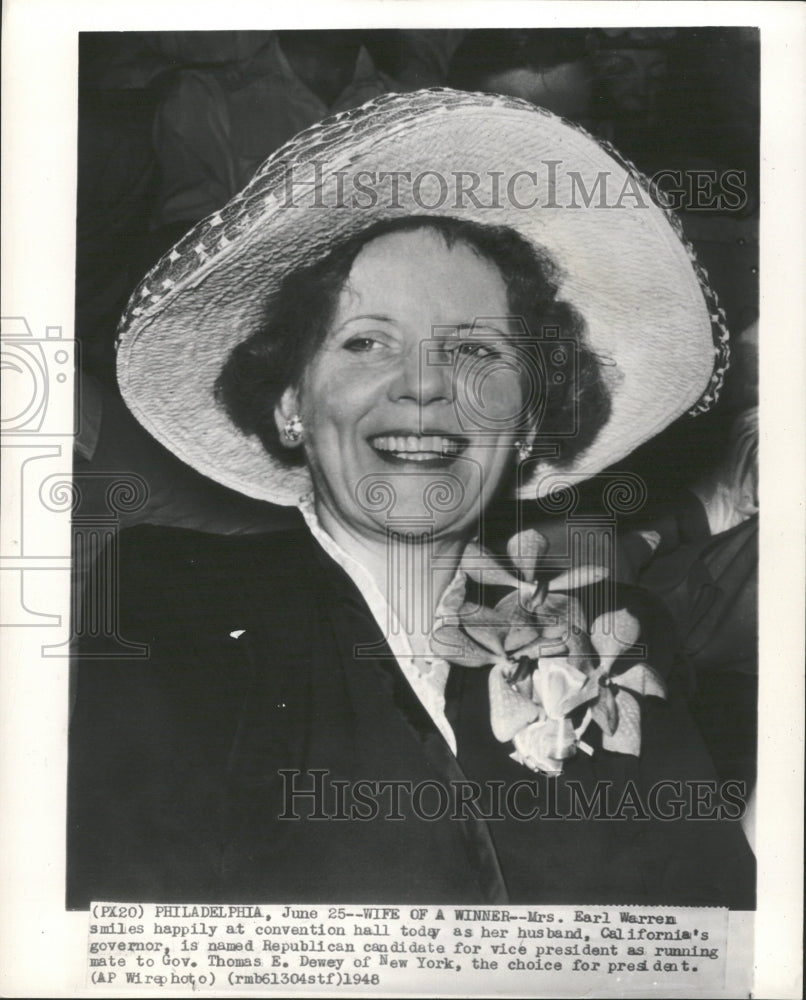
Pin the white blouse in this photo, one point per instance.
(427, 676)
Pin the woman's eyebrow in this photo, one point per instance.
(487, 327)
(453, 328)
(379, 317)
(374, 317)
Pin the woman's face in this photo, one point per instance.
(410, 405)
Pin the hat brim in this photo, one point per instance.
(625, 268)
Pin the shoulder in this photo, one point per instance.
(195, 619)
(181, 552)
(199, 581)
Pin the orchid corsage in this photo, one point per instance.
(551, 676)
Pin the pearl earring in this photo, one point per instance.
(524, 450)
(293, 429)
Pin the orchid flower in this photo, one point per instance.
(545, 662)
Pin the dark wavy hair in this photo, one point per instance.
(296, 319)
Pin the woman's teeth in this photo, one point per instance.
(416, 447)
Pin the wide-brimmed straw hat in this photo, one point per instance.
(626, 268)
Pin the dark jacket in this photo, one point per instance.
(266, 674)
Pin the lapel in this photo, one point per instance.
(308, 600)
(275, 650)
(439, 758)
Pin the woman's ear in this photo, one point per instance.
(286, 418)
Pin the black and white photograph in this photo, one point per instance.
(405, 509)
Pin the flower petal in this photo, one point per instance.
(454, 595)
(614, 632)
(510, 711)
(544, 745)
(558, 686)
(519, 637)
(525, 549)
(561, 613)
(580, 650)
(487, 636)
(605, 713)
(482, 566)
(520, 624)
(627, 737)
(643, 680)
(513, 609)
(578, 577)
(450, 642)
(542, 647)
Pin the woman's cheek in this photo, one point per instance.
(323, 403)
(495, 399)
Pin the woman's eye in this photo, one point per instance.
(474, 349)
(360, 345)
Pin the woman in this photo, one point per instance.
(391, 337)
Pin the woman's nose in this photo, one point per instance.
(424, 375)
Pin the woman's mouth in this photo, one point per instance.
(418, 447)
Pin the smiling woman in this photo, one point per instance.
(420, 341)
(391, 374)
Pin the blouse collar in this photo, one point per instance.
(427, 676)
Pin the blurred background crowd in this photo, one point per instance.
(173, 124)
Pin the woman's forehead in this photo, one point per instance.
(418, 271)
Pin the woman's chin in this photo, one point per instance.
(419, 492)
(414, 526)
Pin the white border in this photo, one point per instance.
(41, 944)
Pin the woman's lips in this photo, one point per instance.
(418, 447)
